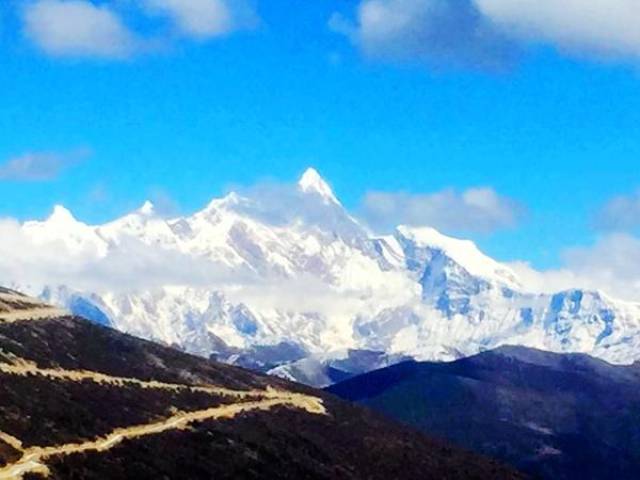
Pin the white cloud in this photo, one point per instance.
(39, 166)
(474, 210)
(86, 29)
(612, 264)
(205, 18)
(436, 32)
(487, 32)
(547, 281)
(620, 213)
(594, 27)
(77, 28)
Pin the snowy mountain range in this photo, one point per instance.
(300, 288)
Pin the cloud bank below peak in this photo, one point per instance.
(490, 34)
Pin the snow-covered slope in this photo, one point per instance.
(244, 277)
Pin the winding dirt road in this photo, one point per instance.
(25, 368)
(33, 459)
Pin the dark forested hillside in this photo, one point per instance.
(81, 401)
(553, 416)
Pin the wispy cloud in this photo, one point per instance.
(40, 166)
(476, 210)
(490, 33)
(164, 204)
(620, 213)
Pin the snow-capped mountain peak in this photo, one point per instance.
(312, 182)
(248, 274)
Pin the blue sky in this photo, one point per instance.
(553, 130)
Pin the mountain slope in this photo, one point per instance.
(554, 416)
(252, 276)
(78, 400)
